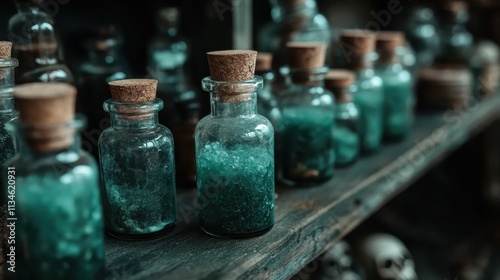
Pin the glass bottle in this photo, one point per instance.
(168, 55)
(234, 151)
(36, 45)
(368, 88)
(422, 34)
(456, 42)
(292, 21)
(103, 65)
(307, 118)
(8, 111)
(397, 86)
(137, 163)
(347, 146)
(57, 214)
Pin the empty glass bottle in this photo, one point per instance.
(137, 163)
(422, 34)
(368, 88)
(234, 151)
(103, 65)
(36, 45)
(307, 118)
(292, 21)
(456, 42)
(55, 186)
(397, 84)
(347, 145)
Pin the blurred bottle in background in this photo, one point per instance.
(36, 45)
(293, 20)
(168, 56)
(104, 64)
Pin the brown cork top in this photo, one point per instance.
(5, 49)
(390, 40)
(445, 75)
(306, 55)
(359, 41)
(291, 2)
(455, 6)
(232, 65)
(264, 61)
(339, 78)
(133, 90)
(47, 107)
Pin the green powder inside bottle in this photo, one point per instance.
(346, 144)
(308, 144)
(397, 110)
(370, 104)
(59, 226)
(235, 189)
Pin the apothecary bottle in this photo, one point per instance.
(307, 117)
(36, 45)
(368, 89)
(422, 34)
(397, 86)
(137, 163)
(8, 111)
(55, 187)
(347, 146)
(234, 151)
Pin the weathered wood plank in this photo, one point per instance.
(307, 220)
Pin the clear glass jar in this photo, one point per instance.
(307, 120)
(422, 34)
(398, 95)
(292, 21)
(235, 162)
(36, 45)
(347, 146)
(369, 99)
(104, 64)
(138, 171)
(7, 108)
(59, 226)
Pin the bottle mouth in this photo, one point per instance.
(9, 63)
(232, 87)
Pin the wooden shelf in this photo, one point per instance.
(307, 220)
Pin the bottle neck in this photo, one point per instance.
(27, 7)
(133, 115)
(362, 62)
(342, 94)
(7, 104)
(106, 56)
(40, 142)
(246, 105)
(305, 77)
(233, 99)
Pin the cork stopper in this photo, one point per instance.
(264, 62)
(290, 2)
(232, 65)
(390, 40)
(338, 82)
(358, 41)
(339, 78)
(133, 90)
(306, 55)
(455, 6)
(46, 107)
(5, 49)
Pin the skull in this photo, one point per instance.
(336, 263)
(385, 257)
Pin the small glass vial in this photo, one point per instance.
(368, 90)
(7, 108)
(307, 117)
(398, 86)
(422, 33)
(346, 132)
(58, 213)
(36, 45)
(137, 163)
(234, 151)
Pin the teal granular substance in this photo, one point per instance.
(397, 111)
(139, 182)
(370, 105)
(308, 144)
(59, 227)
(346, 144)
(235, 189)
